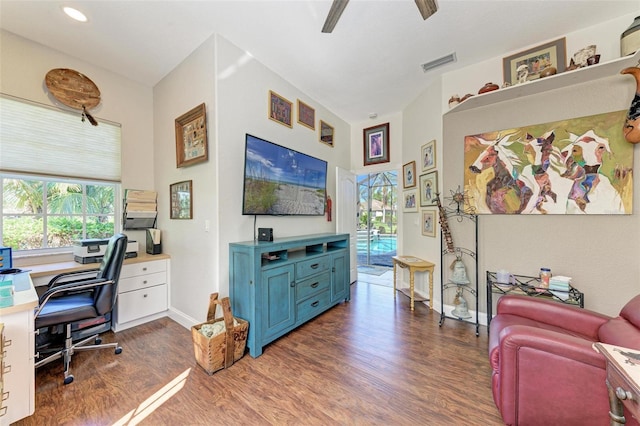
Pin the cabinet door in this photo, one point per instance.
(340, 278)
(278, 301)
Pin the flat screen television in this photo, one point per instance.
(280, 181)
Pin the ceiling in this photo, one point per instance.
(371, 63)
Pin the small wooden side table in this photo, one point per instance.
(415, 265)
(623, 381)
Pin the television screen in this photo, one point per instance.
(282, 181)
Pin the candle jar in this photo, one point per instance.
(545, 276)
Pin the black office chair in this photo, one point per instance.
(79, 308)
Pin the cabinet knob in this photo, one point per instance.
(144, 282)
(293, 283)
(315, 266)
(144, 268)
(623, 394)
(316, 303)
(145, 295)
(314, 285)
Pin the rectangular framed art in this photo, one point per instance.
(429, 223)
(326, 133)
(428, 155)
(280, 109)
(306, 115)
(409, 175)
(526, 65)
(376, 144)
(428, 189)
(410, 204)
(191, 137)
(181, 200)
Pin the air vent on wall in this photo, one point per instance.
(439, 62)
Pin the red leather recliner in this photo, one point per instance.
(545, 371)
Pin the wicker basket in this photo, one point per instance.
(222, 350)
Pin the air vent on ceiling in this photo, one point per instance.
(439, 62)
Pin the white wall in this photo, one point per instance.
(599, 252)
(23, 66)
(235, 88)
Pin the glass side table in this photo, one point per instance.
(528, 286)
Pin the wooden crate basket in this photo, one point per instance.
(222, 350)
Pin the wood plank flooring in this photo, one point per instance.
(367, 362)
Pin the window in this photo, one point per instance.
(59, 176)
(46, 213)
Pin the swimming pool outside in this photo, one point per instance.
(381, 249)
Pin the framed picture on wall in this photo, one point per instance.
(527, 65)
(280, 109)
(306, 115)
(409, 175)
(376, 144)
(428, 156)
(428, 189)
(181, 200)
(191, 137)
(326, 133)
(429, 223)
(410, 204)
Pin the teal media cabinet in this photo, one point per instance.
(279, 285)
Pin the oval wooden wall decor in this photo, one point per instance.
(72, 88)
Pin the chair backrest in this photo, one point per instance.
(110, 267)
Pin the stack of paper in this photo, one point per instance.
(140, 200)
(559, 282)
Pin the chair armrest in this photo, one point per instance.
(568, 317)
(54, 281)
(77, 286)
(516, 337)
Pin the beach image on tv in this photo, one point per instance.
(282, 181)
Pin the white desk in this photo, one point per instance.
(18, 393)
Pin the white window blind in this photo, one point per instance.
(39, 139)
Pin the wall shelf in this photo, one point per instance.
(558, 81)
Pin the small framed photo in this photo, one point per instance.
(191, 137)
(280, 109)
(428, 189)
(429, 223)
(428, 155)
(326, 133)
(409, 175)
(376, 144)
(306, 115)
(181, 200)
(526, 66)
(409, 201)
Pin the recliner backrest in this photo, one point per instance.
(110, 267)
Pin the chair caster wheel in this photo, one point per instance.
(118, 350)
(98, 340)
(68, 379)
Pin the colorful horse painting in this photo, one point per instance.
(575, 166)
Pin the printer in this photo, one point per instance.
(92, 250)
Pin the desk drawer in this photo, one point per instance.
(143, 268)
(312, 306)
(140, 303)
(309, 267)
(312, 285)
(142, 281)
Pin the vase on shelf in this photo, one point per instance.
(630, 38)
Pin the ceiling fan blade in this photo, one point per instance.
(334, 14)
(427, 7)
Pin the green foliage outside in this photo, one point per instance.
(24, 204)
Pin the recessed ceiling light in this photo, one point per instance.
(75, 14)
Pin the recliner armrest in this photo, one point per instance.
(569, 317)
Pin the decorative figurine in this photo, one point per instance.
(631, 127)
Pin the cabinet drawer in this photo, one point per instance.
(312, 306)
(135, 269)
(309, 267)
(140, 303)
(312, 285)
(141, 281)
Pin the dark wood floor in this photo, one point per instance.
(367, 362)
